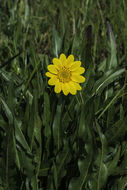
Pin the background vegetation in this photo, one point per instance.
(53, 142)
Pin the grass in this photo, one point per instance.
(49, 141)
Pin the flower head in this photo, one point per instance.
(65, 74)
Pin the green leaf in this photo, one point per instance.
(103, 170)
(56, 43)
(20, 137)
(56, 126)
(107, 79)
(82, 127)
(7, 110)
(112, 165)
(113, 60)
(47, 115)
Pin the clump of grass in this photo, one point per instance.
(50, 141)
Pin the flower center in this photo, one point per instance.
(64, 75)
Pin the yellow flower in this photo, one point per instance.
(65, 74)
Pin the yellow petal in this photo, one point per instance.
(78, 87)
(75, 65)
(52, 81)
(62, 57)
(58, 87)
(48, 74)
(79, 70)
(64, 63)
(57, 63)
(52, 69)
(70, 59)
(77, 78)
(72, 88)
(65, 88)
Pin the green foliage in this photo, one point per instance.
(49, 141)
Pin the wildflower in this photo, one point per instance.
(65, 74)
